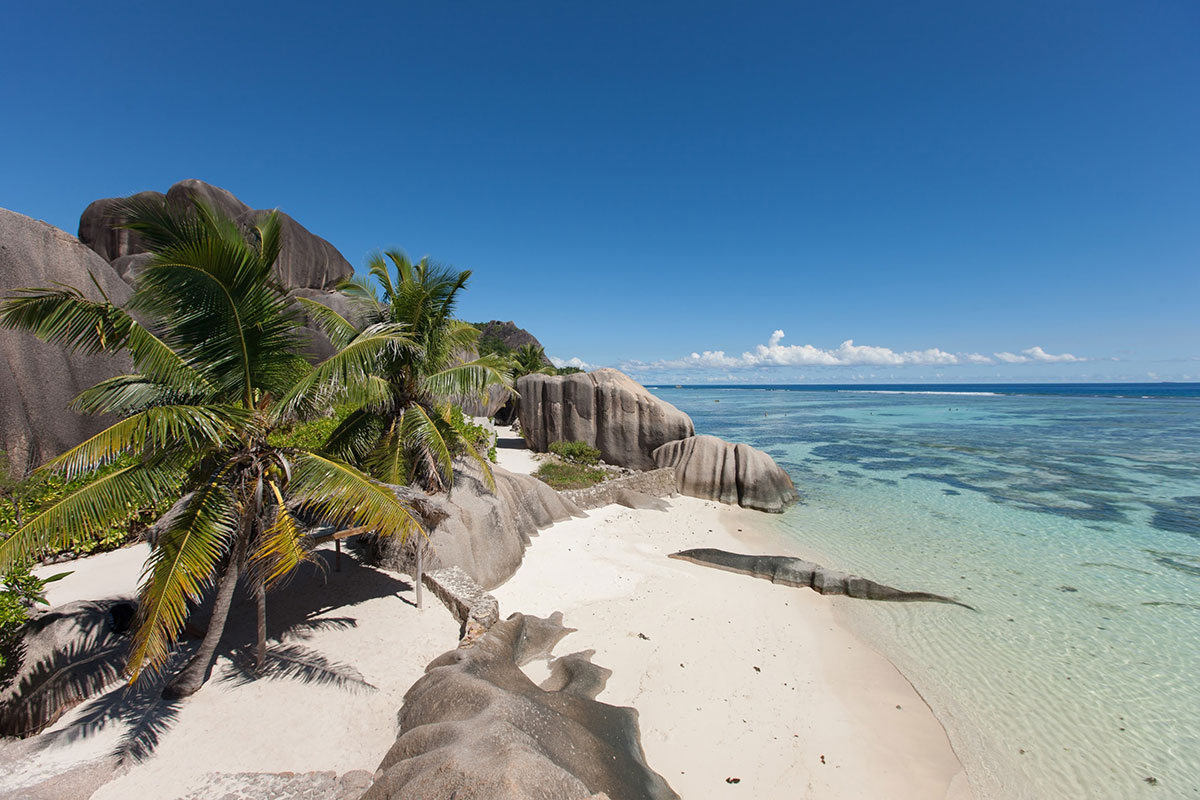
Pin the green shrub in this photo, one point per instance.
(576, 452)
(312, 434)
(565, 475)
(19, 591)
(568, 371)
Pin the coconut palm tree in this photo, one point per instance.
(412, 430)
(214, 350)
(529, 359)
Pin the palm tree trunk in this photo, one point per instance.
(193, 676)
(260, 595)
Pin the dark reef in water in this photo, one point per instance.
(805, 574)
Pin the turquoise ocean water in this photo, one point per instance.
(1068, 516)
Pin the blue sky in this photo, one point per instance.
(963, 191)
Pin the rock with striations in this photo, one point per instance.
(38, 380)
(62, 657)
(475, 727)
(483, 533)
(737, 474)
(306, 261)
(606, 408)
(788, 571)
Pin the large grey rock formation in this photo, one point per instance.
(38, 380)
(306, 261)
(483, 533)
(606, 408)
(63, 656)
(738, 474)
(805, 574)
(508, 334)
(475, 727)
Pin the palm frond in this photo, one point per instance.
(339, 329)
(424, 438)
(88, 511)
(181, 566)
(347, 366)
(126, 394)
(355, 436)
(340, 494)
(193, 428)
(63, 316)
(280, 548)
(470, 379)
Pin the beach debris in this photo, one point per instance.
(806, 574)
(643, 636)
(732, 780)
(822, 758)
(1067, 589)
(1151, 780)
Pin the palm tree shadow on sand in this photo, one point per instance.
(297, 614)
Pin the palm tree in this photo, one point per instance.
(529, 359)
(410, 430)
(216, 371)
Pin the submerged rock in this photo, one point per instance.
(38, 380)
(484, 534)
(475, 727)
(737, 474)
(606, 409)
(798, 572)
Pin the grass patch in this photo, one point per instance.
(561, 475)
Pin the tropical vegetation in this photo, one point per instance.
(216, 375)
(405, 426)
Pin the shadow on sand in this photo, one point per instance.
(294, 614)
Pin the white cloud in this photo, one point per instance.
(776, 354)
(1036, 353)
(574, 361)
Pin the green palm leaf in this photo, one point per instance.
(88, 511)
(194, 428)
(180, 568)
(339, 329)
(340, 494)
(281, 548)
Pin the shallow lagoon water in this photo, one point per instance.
(1070, 522)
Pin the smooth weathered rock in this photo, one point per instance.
(476, 727)
(737, 474)
(606, 408)
(306, 260)
(100, 227)
(38, 380)
(483, 533)
(805, 574)
(62, 657)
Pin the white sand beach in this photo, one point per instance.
(734, 678)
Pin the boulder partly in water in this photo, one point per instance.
(737, 474)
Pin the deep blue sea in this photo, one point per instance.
(1068, 515)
